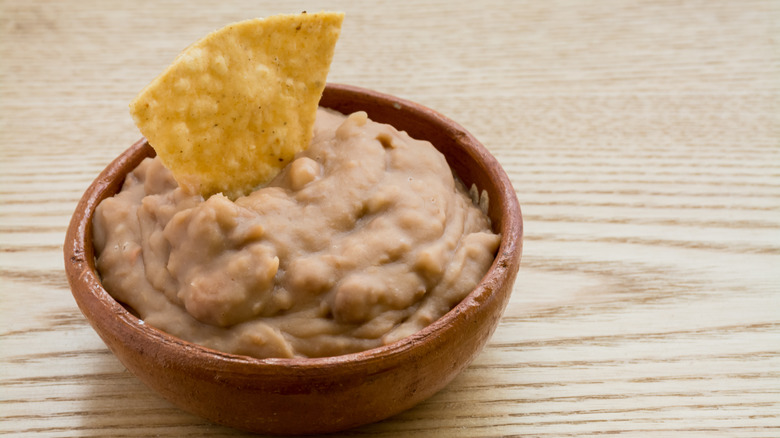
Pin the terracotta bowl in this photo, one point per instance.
(304, 396)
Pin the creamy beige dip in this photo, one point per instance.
(365, 238)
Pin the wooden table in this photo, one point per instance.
(643, 139)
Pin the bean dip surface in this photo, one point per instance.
(364, 238)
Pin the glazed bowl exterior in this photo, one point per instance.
(301, 395)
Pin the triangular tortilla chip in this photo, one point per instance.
(236, 106)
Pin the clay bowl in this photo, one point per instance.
(304, 396)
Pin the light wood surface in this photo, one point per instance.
(643, 139)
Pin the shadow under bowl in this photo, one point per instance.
(318, 395)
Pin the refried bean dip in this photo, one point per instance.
(365, 238)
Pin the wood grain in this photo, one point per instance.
(643, 139)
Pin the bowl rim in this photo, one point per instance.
(82, 273)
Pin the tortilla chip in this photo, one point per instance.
(234, 108)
